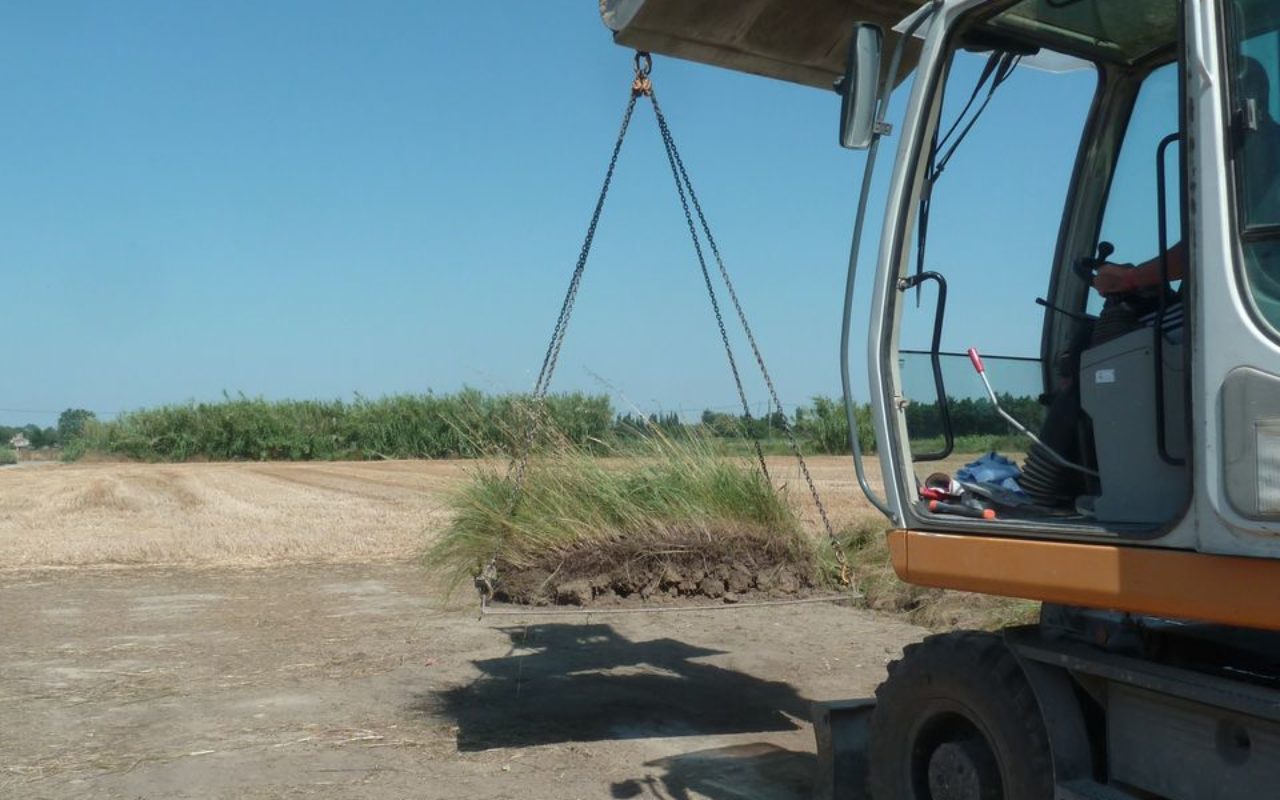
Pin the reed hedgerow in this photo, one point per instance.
(465, 424)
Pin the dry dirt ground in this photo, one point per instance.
(215, 664)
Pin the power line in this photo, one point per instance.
(55, 411)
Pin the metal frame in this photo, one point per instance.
(1167, 729)
(890, 506)
(935, 359)
(1224, 590)
(1157, 330)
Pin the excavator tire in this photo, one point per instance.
(957, 720)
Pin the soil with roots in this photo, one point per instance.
(677, 568)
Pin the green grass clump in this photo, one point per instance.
(677, 495)
(8, 456)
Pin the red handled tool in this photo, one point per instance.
(939, 507)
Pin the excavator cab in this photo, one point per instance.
(1136, 406)
(1093, 274)
(1013, 204)
(1096, 267)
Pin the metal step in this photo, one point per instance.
(843, 731)
(1088, 790)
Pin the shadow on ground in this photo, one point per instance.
(742, 772)
(582, 683)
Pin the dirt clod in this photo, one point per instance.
(739, 579)
(786, 581)
(711, 587)
(574, 593)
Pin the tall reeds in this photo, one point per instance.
(466, 424)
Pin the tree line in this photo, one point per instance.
(471, 423)
(71, 424)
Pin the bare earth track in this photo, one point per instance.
(263, 630)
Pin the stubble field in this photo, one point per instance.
(255, 514)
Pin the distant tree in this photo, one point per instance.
(626, 425)
(669, 423)
(39, 437)
(632, 425)
(71, 423)
(824, 425)
(720, 424)
(764, 427)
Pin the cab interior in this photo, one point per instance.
(1019, 204)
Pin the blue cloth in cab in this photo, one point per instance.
(991, 468)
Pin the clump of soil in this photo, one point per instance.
(625, 572)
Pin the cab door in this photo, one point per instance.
(981, 216)
(1017, 160)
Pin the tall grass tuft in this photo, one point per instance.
(8, 456)
(672, 495)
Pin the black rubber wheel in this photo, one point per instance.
(956, 720)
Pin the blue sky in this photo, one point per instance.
(316, 199)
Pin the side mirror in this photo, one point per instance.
(859, 88)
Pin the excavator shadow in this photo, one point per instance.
(758, 771)
(583, 683)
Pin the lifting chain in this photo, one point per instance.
(552, 356)
(683, 183)
(642, 86)
(488, 573)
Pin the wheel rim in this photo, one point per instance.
(951, 759)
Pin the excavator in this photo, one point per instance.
(1145, 517)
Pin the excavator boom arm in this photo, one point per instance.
(799, 41)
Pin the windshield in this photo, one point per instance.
(1255, 86)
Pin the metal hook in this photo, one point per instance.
(642, 86)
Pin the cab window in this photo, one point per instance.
(1255, 102)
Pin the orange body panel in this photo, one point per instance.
(1220, 589)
